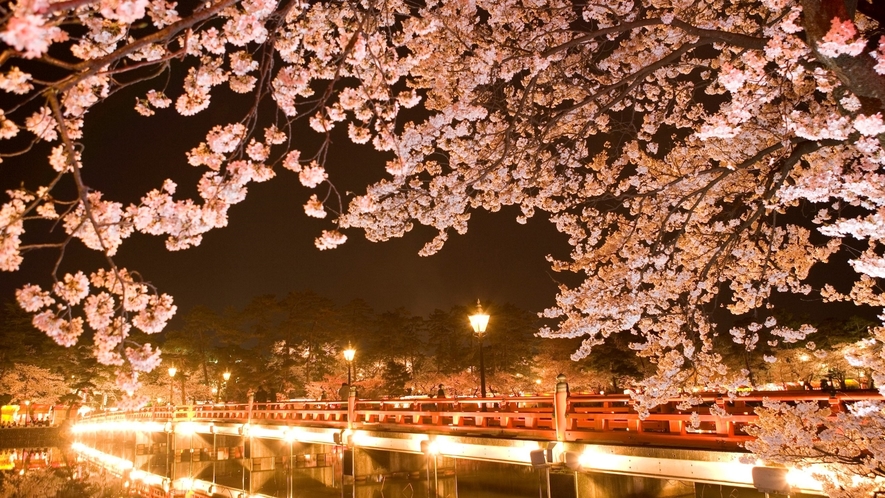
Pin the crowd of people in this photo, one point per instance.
(35, 421)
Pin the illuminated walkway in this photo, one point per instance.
(592, 433)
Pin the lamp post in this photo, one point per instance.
(226, 377)
(479, 321)
(172, 372)
(348, 356)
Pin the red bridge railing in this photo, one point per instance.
(609, 419)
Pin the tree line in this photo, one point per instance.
(292, 347)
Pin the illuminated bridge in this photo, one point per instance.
(599, 439)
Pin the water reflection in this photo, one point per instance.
(53, 473)
(217, 466)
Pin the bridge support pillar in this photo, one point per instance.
(373, 464)
(560, 407)
(598, 485)
(351, 406)
(435, 472)
(150, 450)
(259, 453)
(707, 490)
(189, 453)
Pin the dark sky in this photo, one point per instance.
(268, 246)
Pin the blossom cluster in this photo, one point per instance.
(111, 303)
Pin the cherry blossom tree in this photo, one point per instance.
(699, 155)
(33, 384)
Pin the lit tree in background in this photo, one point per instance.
(33, 384)
(677, 143)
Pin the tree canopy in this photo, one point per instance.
(701, 156)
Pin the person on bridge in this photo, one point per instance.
(441, 393)
(344, 391)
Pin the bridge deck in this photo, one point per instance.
(603, 419)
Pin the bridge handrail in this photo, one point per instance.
(588, 417)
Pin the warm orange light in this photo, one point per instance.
(226, 376)
(349, 353)
(172, 371)
(480, 320)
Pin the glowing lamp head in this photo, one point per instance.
(479, 321)
(226, 376)
(291, 435)
(172, 371)
(349, 353)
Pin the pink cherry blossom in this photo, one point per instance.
(29, 34)
(879, 55)
(291, 161)
(72, 289)
(42, 124)
(314, 207)
(144, 359)
(32, 298)
(16, 81)
(330, 240)
(869, 125)
(312, 175)
(838, 40)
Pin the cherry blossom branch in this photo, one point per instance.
(735, 39)
(798, 152)
(94, 66)
(82, 189)
(707, 187)
(52, 61)
(67, 5)
(630, 81)
(141, 64)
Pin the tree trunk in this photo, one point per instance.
(856, 73)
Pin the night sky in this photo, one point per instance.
(268, 246)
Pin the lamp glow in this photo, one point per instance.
(349, 353)
(479, 321)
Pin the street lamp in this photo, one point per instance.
(226, 377)
(172, 372)
(479, 321)
(348, 356)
